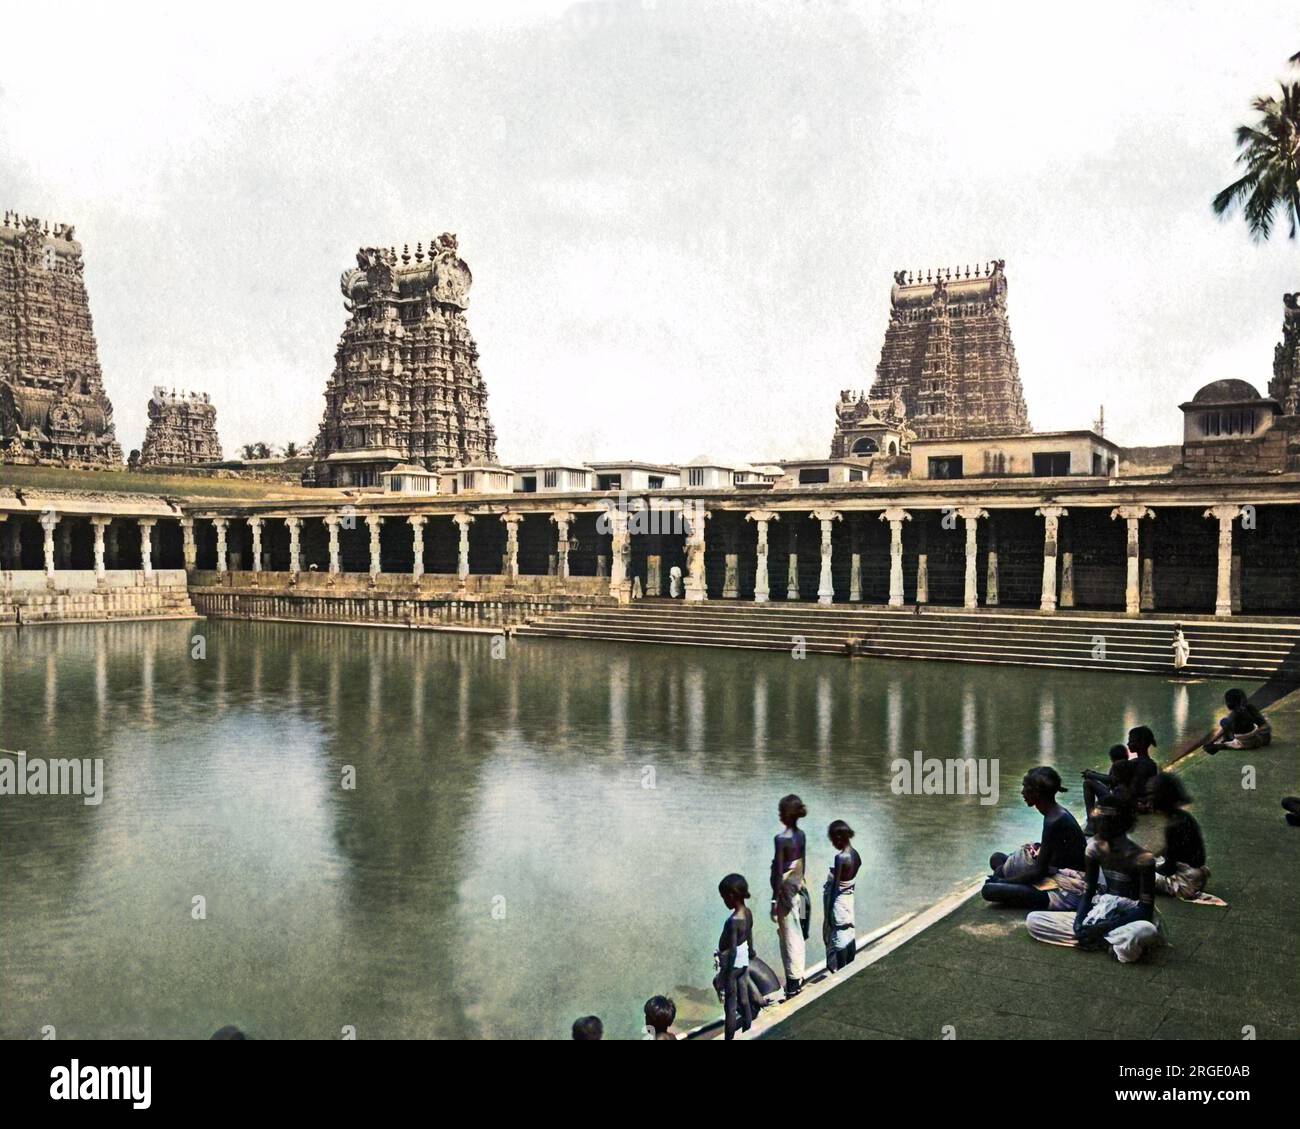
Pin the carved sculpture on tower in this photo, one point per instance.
(948, 354)
(182, 430)
(53, 408)
(406, 386)
(865, 427)
(1285, 385)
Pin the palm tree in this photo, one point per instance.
(291, 450)
(1270, 152)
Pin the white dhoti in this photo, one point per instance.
(1185, 882)
(1128, 942)
(791, 918)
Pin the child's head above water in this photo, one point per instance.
(841, 834)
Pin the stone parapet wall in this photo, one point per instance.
(357, 604)
(28, 597)
(584, 589)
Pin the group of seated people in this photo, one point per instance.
(1094, 886)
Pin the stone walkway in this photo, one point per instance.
(979, 972)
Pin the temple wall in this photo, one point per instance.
(437, 601)
(28, 596)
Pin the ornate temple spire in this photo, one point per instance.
(406, 385)
(1285, 385)
(53, 408)
(948, 353)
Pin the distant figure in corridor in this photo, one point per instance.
(588, 1029)
(1181, 647)
(660, 1012)
(1243, 728)
(838, 928)
(1127, 923)
(791, 905)
(735, 951)
(1059, 853)
(674, 582)
(1181, 871)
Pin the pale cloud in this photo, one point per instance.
(682, 218)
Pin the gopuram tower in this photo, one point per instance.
(53, 408)
(406, 386)
(1285, 385)
(948, 354)
(182, 430)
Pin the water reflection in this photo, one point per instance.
(504, 862)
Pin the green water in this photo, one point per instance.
(530, 837)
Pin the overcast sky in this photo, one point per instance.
(682, 218)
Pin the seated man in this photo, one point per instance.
(1098, 786)
(1127, 924)
(1181, 871)
(1243, 728)
(1059, 853)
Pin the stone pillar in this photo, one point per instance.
(1226, 514)
(760, 518)
(189, 546)
(695, 584)
(1148, 597)
(375, 523)
(64, 542)
(922, 566)
(220, 524)
(146, 545)
(731, 565)
(255, 528)
(99, 524)
(895, 516)
(792, 567)
(15, 546)
(294, 525)
(654, 574)
(1051, 516)
(1133, 579)
(1067, 567)
(855, 561)
(825, 582)
(561, 518)
(991, 567)
(510, 562)
(971, 516)
(49, 522)
(332, 529)
(620, 555)
(417, 546)
(463, 521)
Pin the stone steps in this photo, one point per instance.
(1228, 649)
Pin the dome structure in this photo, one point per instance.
(1226, 392)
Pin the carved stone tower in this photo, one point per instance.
(182, 430)
(406, 386)
(1285, 385)
(53, 408)
(948, 354)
